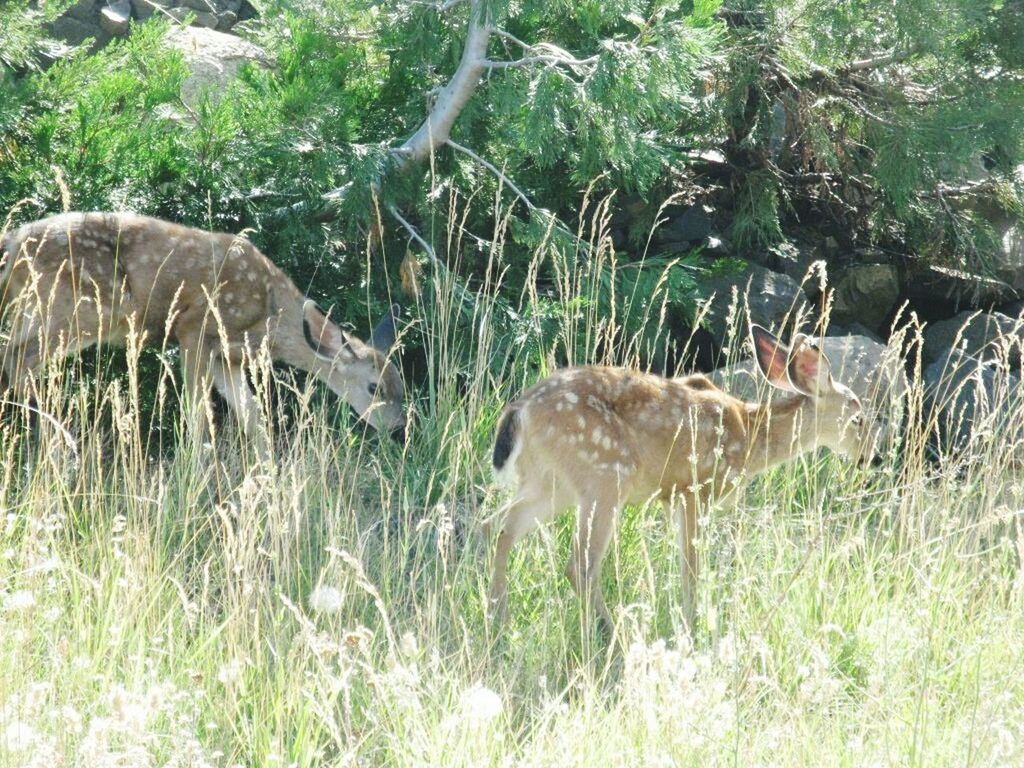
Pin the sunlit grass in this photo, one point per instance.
(327, 607)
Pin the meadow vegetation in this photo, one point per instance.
(177, 600)
(327, 607)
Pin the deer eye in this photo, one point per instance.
(371, 388)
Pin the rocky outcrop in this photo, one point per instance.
(103, 21)
(985, 335)
(969, 400)
(213, 59)
(773, 300)
(866, 294)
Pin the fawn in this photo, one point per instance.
(76, 279)
(599, 438)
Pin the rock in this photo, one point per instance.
(926, 283)
(987, 335)
(968, 399)
(872, 370)
(773, 299)
(206, 6)
(84, 10)
(226, 20)
(801, 262)
(866, 293)
(1014, 309)
(207, 20)
(213, 58)
(143, 9)
(115, 17)
(75, 32)
(693, 225)
(1008, 260)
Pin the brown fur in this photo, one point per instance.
(77, 279)
(599, 438)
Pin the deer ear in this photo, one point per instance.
(771, 355)
(325, 338)
(383, 336)
(808, 368)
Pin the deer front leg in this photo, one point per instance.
(687, 508)
(594, 529)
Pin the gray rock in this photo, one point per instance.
(207, 6)
(115, 17)
(872, 370)
(226, 20)
(927, 282)
(987, 335)
(866, 293)
(693, 225)
(75, 32)
(968, 399)
(774, 299)
(180, 14)
(213, 59)
(143, 9)
(84, 10)
(207, 20)
(802, 263)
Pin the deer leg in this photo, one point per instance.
(527, 512)
(229, 380)
(594, 529)
(195, 373)
(687, 509)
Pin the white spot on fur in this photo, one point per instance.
(572, 397)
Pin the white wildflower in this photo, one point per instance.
(480, 704)
(231, 673)
(325, 599)
(18, 737)
(71, 719)
(22, 600)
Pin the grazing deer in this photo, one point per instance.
(78, 279)
(600, 438)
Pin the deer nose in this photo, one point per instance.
(398, 434)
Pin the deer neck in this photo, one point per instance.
(779, 431)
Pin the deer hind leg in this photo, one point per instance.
(44, 330)
(594, 528)
(532, 507)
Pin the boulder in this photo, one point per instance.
(800, 261)
(968, 399)
(987, 335)
(114, 17)
(213, 58)
(867, 294)
(774, 300)
(925, 283)
(692, 226)
(75, 32)
(872, 370)
(83, 10)
(143, 9)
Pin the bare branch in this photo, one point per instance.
(493, 169)
(434, 130)
(415, 235)
(527, 61)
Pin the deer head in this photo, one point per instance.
(359, 373)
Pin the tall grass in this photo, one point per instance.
(326, 608)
